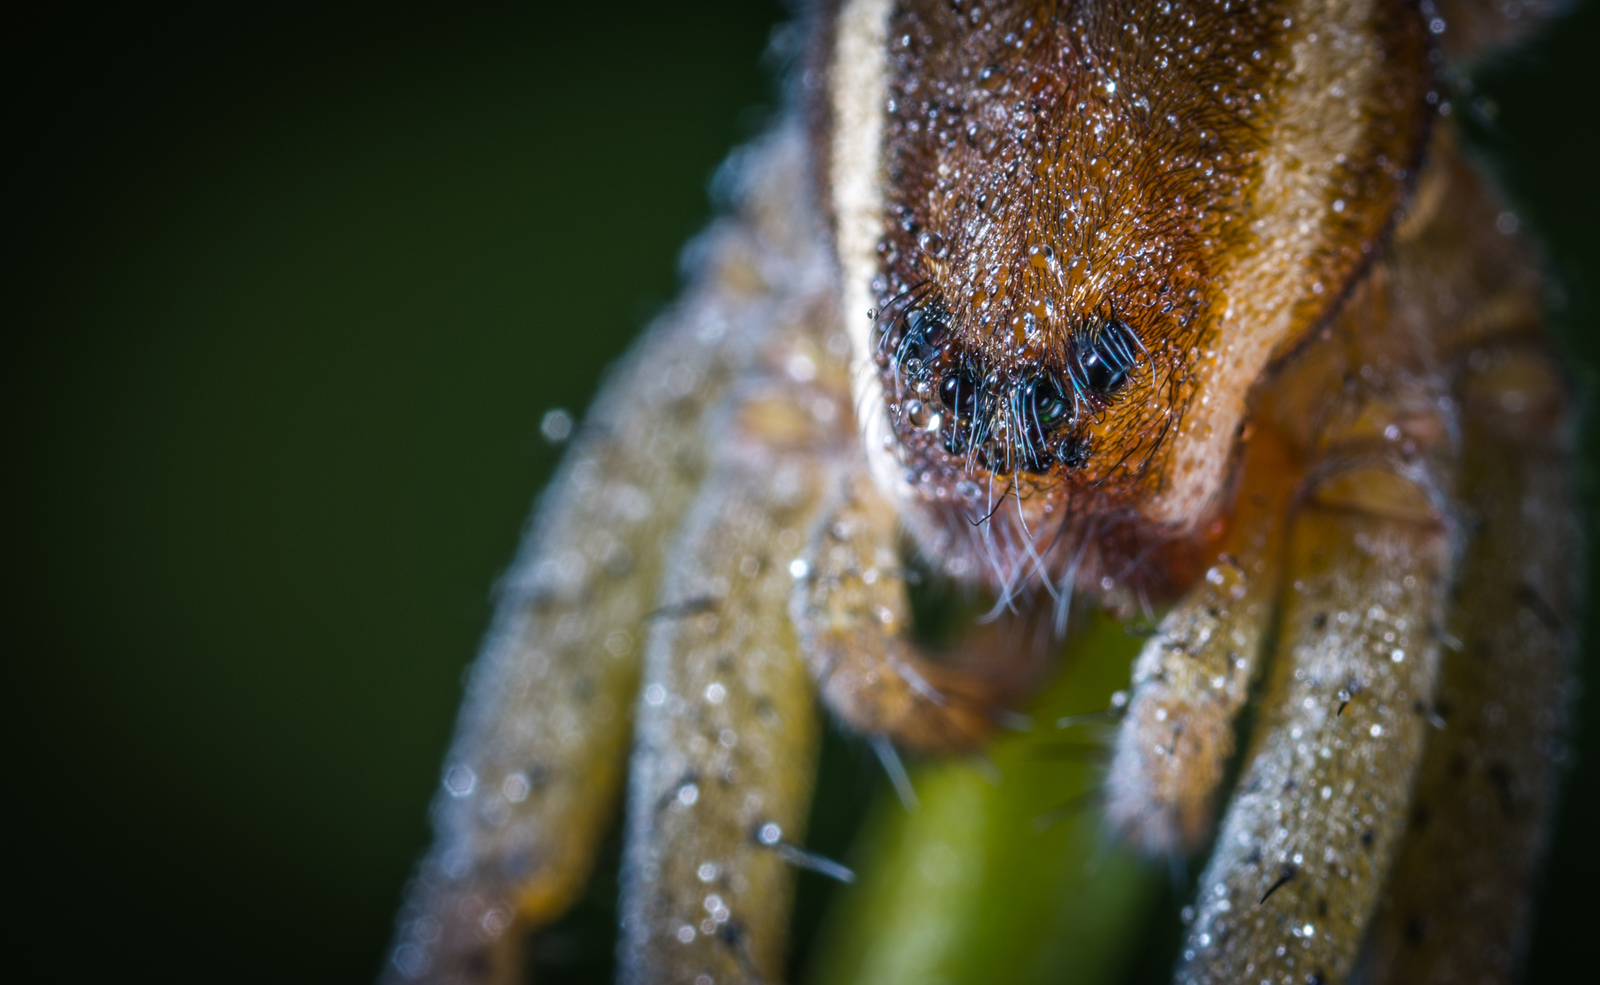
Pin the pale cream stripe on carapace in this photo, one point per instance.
(859, 88)
(1322, 118)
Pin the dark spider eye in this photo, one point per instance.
(959, 393)
(1073, 451)
(1045, 402)
(1102, 357)
(928, 324)
(925, 331)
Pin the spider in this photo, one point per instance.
(1194, 305)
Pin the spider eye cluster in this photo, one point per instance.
(1100, 363)
(1028, 416)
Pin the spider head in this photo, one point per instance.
(1084, 237)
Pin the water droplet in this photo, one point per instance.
(619, 642)
(556, 426)
(460, 781)
(410, 960)
(801, 369)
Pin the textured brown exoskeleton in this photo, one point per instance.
(1192, 303)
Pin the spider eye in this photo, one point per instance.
(959, 393)
(1045, 402)
(925, 332)
(1072, 452)
(927, 325)
(1103, 357)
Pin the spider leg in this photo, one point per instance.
(533, 775)
(1459, 901)
(1194, 674)
(1438, 429)
(1320, 806)
(1458, 906)
(727, 728)
(1306, 841)
(854, 621)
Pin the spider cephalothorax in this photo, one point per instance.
(1071, 197)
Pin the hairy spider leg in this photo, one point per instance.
(1459, 901)
(1434, 368)
(1306, 841)
(534, 773)
(727, 733)
(727, 728)
(1194, 675)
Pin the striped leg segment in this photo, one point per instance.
(532, 778)
(1459, 904)
(1320, 808)
(727, 725)
(1194, 674)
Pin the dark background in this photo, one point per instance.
(286, 294)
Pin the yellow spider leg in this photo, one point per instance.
(854, 619)
(1194, 675)
(1459, 903)
(532, 777)
(1305, 845)
(1433, 408)
(1320, 807)
(727, 728)
(1459, 898)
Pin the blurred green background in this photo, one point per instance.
(287, 293)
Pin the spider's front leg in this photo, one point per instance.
(1320, 808)
(1435, 505)
(533, 775)
(1194, 675)
(1459, 902)
(727, 725)
(1460, 897)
